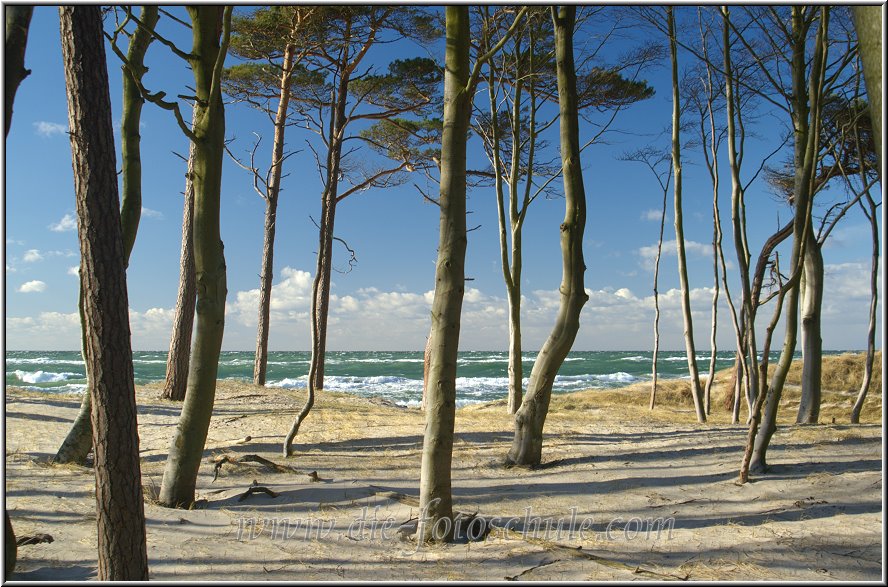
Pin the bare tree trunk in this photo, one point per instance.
(18, 21)
(812, 343)
(274, 187)
(657, 304)
(436, 499)
(690, 349)
(313, 364)
(426, 357)
(868, 24)
(874, 301)
(122, 552)
(529, 420)
(179, 356)
(186, 450)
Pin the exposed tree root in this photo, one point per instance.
(268, 465)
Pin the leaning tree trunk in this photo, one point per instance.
(529, 420)
(696, 392)
(657, 305)
(186, 450)
(812, 343)
(868, 24)
(271, 201)
(435, 498)
(79, 441)
(874, 301)
(18, 21)
(120, 517)
(179, 355)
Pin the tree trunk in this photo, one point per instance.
(657, 303)
(436, 500)
(874, 301)
(179, 356)
(18, 21)
(696, 392)
(529, 420)
(868, 24)
(812, 343)
(186, 450)
(79, 441)
(122, 553)
(274, 187)
(10, 548)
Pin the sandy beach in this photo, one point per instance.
(638, 494)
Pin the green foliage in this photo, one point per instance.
(414, 141)
(408, 84)
(606, 89)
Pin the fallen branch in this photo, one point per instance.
(231, 459)
(545, 563)
(35, 539)
(254, 489)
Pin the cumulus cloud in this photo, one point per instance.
(149, 213)
(49, 129)
(32, 256)
(652, 215)
(75, 270)
(648, 254)
(66, 224)
(34, 286)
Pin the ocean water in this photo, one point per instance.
(395, 376)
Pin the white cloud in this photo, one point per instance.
(32, 256)
(149, 213)
(35, 286)
(66, 224)
(48, 129)
(75, 270)
(652, 215)
(648, 254)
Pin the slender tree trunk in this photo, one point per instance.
(436, 500)
(10, 548)
(868, 24)
(79, 441)
(874, 301)
(274, 187)
(529, 420)
(122, 553)
(657, 303)
(186, 450)
(679, 228)
(179, 355)
(18, 21)
(812, 343)
(426, 357)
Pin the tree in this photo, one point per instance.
(339, 96)
(527, 445)
(79, 441)
(523, 76)
(868, 24)
(280, 37)
(696, 391)
(211, 29)
(122, 553)
(18, 21)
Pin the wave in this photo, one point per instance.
(67, 388)
(41, 361)
(45, 376)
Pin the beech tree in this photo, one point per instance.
(122, 553)
(18, 21)
(527, 445)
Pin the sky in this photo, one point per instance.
(383, 303)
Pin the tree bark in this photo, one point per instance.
(179, 356)
(690, 349)
(527, 445)
(18, 21)
(812, 343)
(122, 553)
(657, 303)
(868, 24)
(260, 364)
(186, 450)
(436, 500)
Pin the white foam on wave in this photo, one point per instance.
(41, 361)
(45, 376)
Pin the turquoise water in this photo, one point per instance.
(396, 376)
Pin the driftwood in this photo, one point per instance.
(268, 465)
(254, 489)
(35, 539)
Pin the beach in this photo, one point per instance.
(623, 493)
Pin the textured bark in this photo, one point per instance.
(690, 349)
(436, 500)
(122, 553)
(131, 198)
(868, 24)
(18, 21)
(186, 450)
(271, 201)
(812, 342)
(10, 548)
(872, 215)
(179, 356)
(527, 445)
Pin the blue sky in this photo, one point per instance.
(383, 303)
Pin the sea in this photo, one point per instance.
(394, 376)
